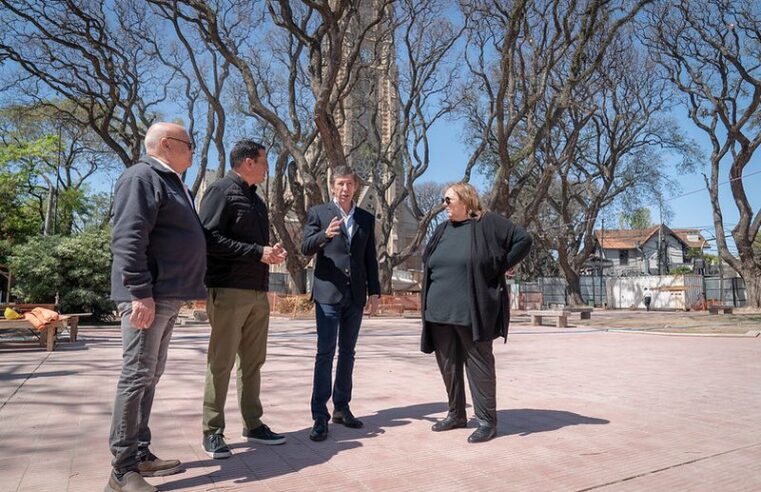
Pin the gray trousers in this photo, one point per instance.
(144, 355)
(454, 347)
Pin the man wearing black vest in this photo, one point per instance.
(342, 236)
(239, 256)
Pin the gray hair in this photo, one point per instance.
(342, 172)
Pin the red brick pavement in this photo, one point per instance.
(579, 410)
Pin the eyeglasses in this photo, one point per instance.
(446, 200)
(191, 145)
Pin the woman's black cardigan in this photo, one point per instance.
(496, 246)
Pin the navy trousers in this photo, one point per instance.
(336, 324)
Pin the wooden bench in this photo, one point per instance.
(23, 308)
(584, 311)
(71, 321)
(561, 317)
(723, 309)
(48, 336)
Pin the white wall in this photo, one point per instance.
(668, 291)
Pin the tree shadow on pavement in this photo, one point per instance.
(251, 462)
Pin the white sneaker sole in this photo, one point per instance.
(218, 456)
(268, 442)
(163, 473)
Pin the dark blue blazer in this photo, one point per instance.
(340, 267)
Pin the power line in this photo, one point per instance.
(720, 184)
(667, 200)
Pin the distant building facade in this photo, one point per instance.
(651, 251)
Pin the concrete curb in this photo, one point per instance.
(749, 334)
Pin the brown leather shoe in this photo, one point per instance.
(153, 466)
(130, 482)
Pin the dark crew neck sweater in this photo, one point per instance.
(447, 295)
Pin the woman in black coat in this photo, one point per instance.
(470, 252)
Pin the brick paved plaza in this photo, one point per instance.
(579, 409)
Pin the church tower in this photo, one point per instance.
(369, 123)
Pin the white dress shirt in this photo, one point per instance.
(348, 219)
(185, 188)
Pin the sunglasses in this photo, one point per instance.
(446, 200)
(191, 145)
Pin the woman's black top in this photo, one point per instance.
(447, 302)
(496, 244)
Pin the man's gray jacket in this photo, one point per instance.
(157, 241)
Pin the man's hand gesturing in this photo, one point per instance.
(274, 255)
(334, 228)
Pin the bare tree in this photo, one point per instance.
(607, 148)
(711, 55)
(429, 196)
(83, 51)
(415, 56)
(202, 73)
(324, 48)
(319, 33)
(315, 41)
(525, 59)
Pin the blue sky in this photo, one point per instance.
(449, 157)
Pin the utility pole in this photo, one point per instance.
(57, 179)
(602, 259)
(660, 241)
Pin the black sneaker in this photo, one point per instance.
(263, 435)
(214, 445)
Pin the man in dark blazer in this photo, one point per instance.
(342, 236)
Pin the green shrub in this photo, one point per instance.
(77, 267)
(36, 276)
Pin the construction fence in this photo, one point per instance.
(301, 305)
(552, 292)
(681, 292)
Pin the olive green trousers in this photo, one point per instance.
(239, 325)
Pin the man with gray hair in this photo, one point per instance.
(159, 251)
(342, 236)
